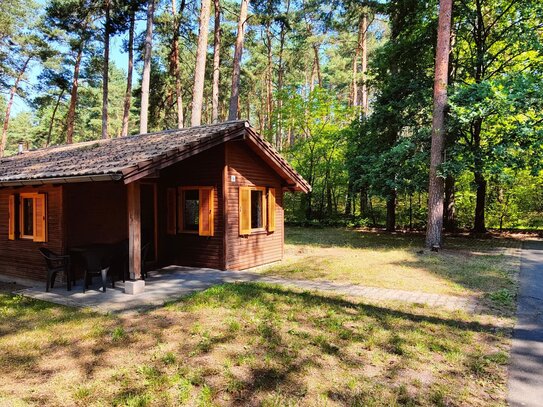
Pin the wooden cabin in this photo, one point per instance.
(207, 196)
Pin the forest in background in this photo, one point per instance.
(343, 89)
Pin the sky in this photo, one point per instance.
(117, 57)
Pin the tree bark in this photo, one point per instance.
(50, 131)
(436, 187)
(12, 93)
(282, 39)
(174, 61)
(128, 93)
(199, 69)
(317, 64)
(479, 221)
(364, 68)
(105, 72)
(146, 75)
(269, 78)
(391, 212)
(234, 98)
(449, 221)
(216, 62)
(73, 96)
(357, 51)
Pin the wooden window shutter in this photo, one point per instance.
(271, 209)
(244, 210)
(40, 218)
(11, 220)
(171, 211)
(206, 218)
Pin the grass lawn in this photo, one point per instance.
(250, 344)
(257, 344)
(468, 266)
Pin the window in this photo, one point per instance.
(27, 217)
(256, 209)
(190, 199)
(190, 210)
(32, 215)
(257, 214)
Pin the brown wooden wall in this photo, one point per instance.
(258, 248)
(204, 169)
(20, 258)
(96, 212)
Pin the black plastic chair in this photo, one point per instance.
(56, 263)
(97, 263)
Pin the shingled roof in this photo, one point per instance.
(133, 157)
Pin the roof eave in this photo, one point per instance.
(61, 180)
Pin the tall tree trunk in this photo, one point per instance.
(354, 85)
(364, 46)
(174, 60)
(449, 221)
(234, 98)
(73, 96)
(391, 212)
(128, 93)
(363, 202)
(105, 72)
(317, 64)
(200, 68)
(349, 199)
(269, 78)
(436, 187)
(50, 131)
(146, 75)
(12, 93)
(282, 39)
(216, 62)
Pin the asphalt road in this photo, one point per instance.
(526, 364)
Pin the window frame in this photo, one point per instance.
(181, 210)
(19, 219)
(264, 228)
(176, 216)
(22, 197)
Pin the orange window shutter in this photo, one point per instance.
(171, 211)
(271, 209)
(206, 216)
(244, 211)
(11, 220)
(40, 218)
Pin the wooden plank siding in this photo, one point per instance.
(20, 258)
(95, 212)
(257, 248)
(190, 249)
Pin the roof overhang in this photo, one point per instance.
(61, 180)
(295, 182)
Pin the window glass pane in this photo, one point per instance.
(191, 209)
(28, 217)
(256, 210)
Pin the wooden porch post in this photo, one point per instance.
(134, 230)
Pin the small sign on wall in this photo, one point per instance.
(232, 178)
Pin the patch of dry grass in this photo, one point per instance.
(467, 266)
(251, 344)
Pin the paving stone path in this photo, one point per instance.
(449, 302)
